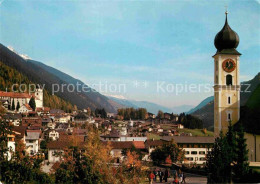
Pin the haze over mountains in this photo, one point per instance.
(151, 107)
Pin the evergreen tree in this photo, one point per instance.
(241, 168)
(218, 161)
(13, 106)
(231, 140)
(18, 106)
(32, 103)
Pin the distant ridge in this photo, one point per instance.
(201, 104)
(151, 107)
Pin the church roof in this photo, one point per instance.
(14, 95)
(227, 40)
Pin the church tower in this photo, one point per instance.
(226, 79)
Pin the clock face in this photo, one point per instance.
(229, 65)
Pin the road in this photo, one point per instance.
(190, 179)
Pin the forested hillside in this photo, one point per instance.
(49, 76)
(10, 76)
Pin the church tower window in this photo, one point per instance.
(229, 100)
(229, 116)
(229, 80)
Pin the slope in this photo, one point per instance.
(10, 76)
(39, 75)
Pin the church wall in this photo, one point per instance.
(253, 143)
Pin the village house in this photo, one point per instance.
(112, 136)
(13, 118)
(11, 144)
(118, 147)
(25, 108)
(151, 115)
(54, 135)
(32, 142)
(61, 119)
(43, 111)
(56, 150)
(32, 121)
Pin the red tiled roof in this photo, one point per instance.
(47, 109)
(14, 95)
(149, 143)
(139, 144)
(120, 145)
(63, 144)
(39, 109)
(125, 144)
(58, 144)
(20, 129)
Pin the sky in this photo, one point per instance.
(142, 50)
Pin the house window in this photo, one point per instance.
(194, 152)
(229, 80)
(202, 152)
(187, 152)
(229, 100)
(202, 158)
(190, 158)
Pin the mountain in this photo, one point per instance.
(182, 108)
(248, 95)
(201, 104)
(42, 74)
(151, 107)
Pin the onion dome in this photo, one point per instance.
(227, 40)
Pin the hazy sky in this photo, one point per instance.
(136, 44)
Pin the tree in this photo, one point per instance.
(77, 168)
(229, 153)
(5, 129)
(133, 150)
(160, 114)
(32, 103)
(18, 106)
(169, 150)
(13, 106)
(218, 161)
(241, 168)
(232, 144)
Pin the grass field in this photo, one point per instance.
(196, 132)
(153, 136)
